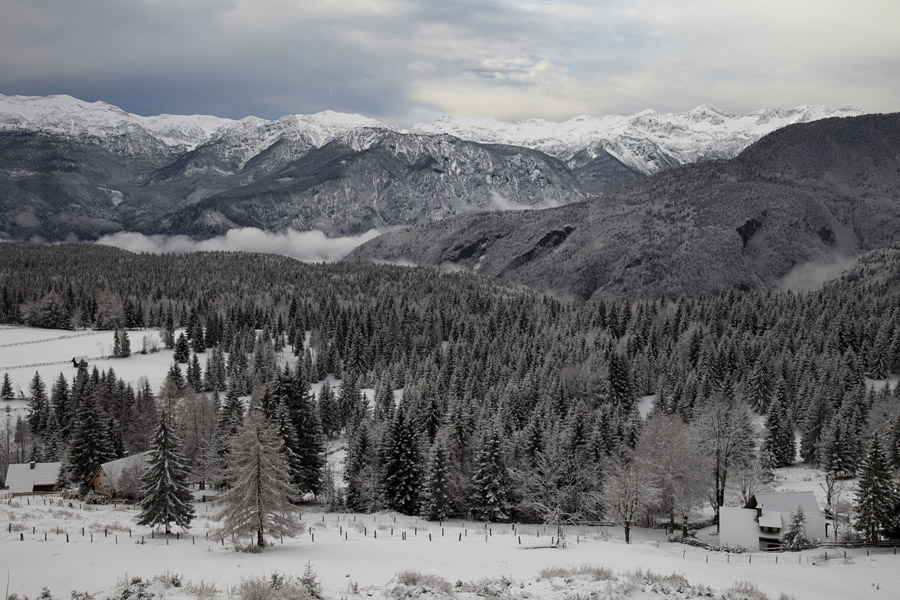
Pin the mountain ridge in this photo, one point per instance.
(803, 194)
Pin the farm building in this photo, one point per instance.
(32, 478)
(120, 478)
(765, 518)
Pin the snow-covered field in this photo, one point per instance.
(363, 552)
(26, 350)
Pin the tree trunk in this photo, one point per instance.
(684, 526)
(627, 532)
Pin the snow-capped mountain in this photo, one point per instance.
(69, 167)
(647, 141)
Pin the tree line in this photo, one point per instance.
(489, 399)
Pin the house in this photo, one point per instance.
(120, 478)
(32, 478)
(764, 519)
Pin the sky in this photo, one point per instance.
(404, 61)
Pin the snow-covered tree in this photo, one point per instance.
(259, 500)
(724, 434)
(490, 481)
(437, 502)
(6, 390)
(795, 537)
(165, 497)
(876, 494)
(400, 463)
(627, 488)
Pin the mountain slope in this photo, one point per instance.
(805, 193)
(72, 168)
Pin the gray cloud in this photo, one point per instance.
(308, 246)
(501, 58)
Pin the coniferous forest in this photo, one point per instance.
(511, 404)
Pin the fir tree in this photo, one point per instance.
(361, 469)
(876, 494)
(182, 349)
(88, 442)
(779, 436)
(6, 391)
(795, 537)
(259, 501)
(400, 461)
(38, 405)
(195, 374)
(165, 497)
(437, 502)
(490, 481)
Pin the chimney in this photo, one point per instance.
(31, 465)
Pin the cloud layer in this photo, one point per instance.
(508, 59)
(308, 246)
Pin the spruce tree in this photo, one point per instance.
(38, 405)
(779, 435)
(6, 390)
(795, 537)
(165, 497)
(876, 494)
(88, 443)
(400, 476)
(490, 481)
(182, 349)
(259, 500)
(436, 498)
(361, 469)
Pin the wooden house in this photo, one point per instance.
(120, 478)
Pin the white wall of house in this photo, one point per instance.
(738, 528)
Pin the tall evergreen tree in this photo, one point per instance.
(876, 494)
(778, 441)
(259, 500)
(38, 405)
(437, 501)
(182, 349)
(400, 463)
(6, 390)
(165, 496)
(490, 481)
(88, 443)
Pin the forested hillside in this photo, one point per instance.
(514, 404)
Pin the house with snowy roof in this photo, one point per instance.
(766, 517)
(120, 478)
(32, 478)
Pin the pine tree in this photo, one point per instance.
(165, 497)
(490, 480)
(6, 391)
(182, 349)
(195, 374)
(117, 347)
(876, 494)
(400, 477)
(779, 437)
(38, 405)
(436, 498)
(259, 501)
(125, 345)
(795, 537)
(361, 469)
(88, 443)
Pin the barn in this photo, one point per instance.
(32, 478)
(120, 478)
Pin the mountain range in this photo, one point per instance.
(70, 168)
(806, 196)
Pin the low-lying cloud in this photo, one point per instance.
(502, 203)
(308, 246)
(812, 275)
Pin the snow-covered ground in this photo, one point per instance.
(26, 350)
(346, 555)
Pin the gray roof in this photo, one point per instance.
(787, 502)
(21, 478)
(115, 468)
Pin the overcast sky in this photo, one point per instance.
(404, 60)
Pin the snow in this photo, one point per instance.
(346, 552)
(686, 136)
(26, 350)
(647, 141)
